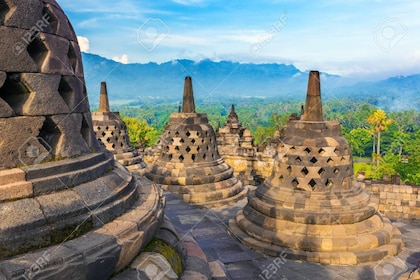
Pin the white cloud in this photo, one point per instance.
(188, 2)
(83, 43)
(123, 59)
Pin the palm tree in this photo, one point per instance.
(379, 123)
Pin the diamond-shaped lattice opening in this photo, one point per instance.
(307, 150)
(182, 140)
(295, 182)
(204, 156)
(4, 9)
(113, 146)
(289, 169)
(312, 183)
(181, 158)
(50, 133)
(198, 149)
(330, 161)
(193, 157)
(208, 147)
(211, 140)
(108, 139)
(292, 149)
(188, 134)
(304, 171)
(85, 130)
(281, 178)
(71, 54)
(188, 149)
(321, 151)
(298, 160)
(107, 128)
(176, 133)
(103, 134)
(98, 128)
(343, 159)
(212, 156)
(167, 148)
(170, 156)
(112, 133)
(15, 92)
(313, 160)
(198, 134)
(177, 148)
(207, 133)
(336, 171)
(193, 141)
(37, 51)
(321, 171)
(202, 141)
(337, 151)
(329, 183)
(50, 16)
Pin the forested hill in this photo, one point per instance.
(232, 80)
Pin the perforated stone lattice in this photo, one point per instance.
(314, 168)
(189, 146)
(42, 75)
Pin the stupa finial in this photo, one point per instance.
(103, 99)
(188, 105)
(313, 107)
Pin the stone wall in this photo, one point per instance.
(394, 200)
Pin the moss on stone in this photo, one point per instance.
(161, 247)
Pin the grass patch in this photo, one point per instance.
(161, 247)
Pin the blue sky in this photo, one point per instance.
(372, 39)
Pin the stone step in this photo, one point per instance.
(10, 176)
(17, 190)
(73, 177)
(64, 166)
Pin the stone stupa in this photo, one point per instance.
(311, 208)
(67, 209)
(189, 163)
(112, 132)
(235, 144)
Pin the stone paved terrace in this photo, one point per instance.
(209, 228)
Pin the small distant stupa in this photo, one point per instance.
(311, 207)
(235, 145)
(112, 132)
(189, 163)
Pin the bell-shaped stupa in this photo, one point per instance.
(67, 209)
(112, 132)
(236, 146)
(311, 208)
(189, 163)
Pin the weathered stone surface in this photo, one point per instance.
(65, 137)
(13, 54)
(43, 91)
(19, 144)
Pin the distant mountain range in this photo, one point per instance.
(226, 79)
